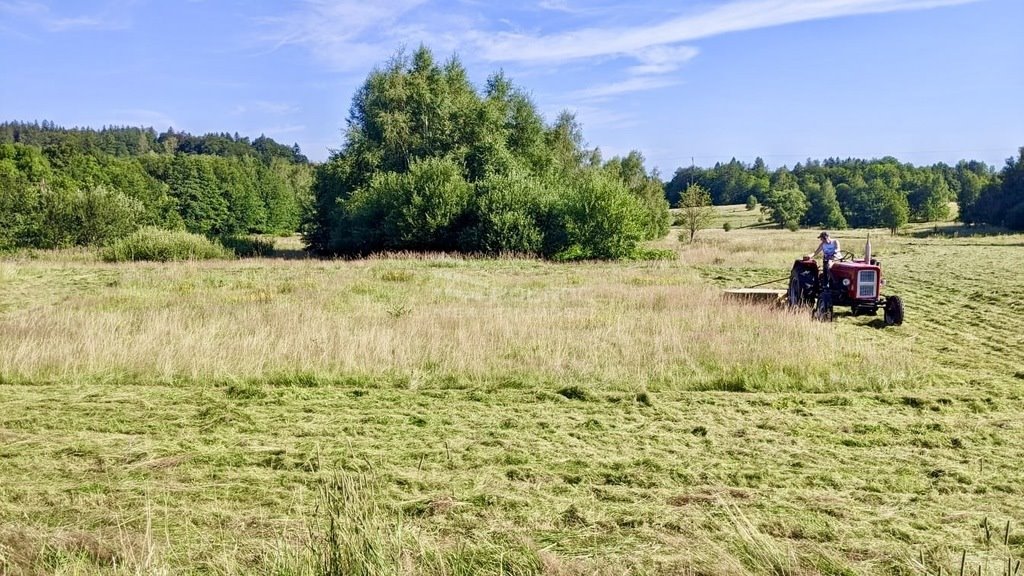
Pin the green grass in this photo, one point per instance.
(451, 416)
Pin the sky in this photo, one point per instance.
(681, 81)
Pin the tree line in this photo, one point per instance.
(840, 193)
(138, 141)
(65, 187)
(430, 162)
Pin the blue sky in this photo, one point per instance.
(922, 80)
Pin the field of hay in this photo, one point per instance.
(443, 415)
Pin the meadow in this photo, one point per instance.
(434, 414)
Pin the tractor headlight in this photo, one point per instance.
(846, 281)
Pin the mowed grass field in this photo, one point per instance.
(441, 415)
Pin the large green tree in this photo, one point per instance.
(1001, 202)
(785, 204)
(929, 198)
(430, 164)
(972, 178)
(823, 206)
(1013, 191)
(894, 211)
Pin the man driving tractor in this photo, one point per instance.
(829, 250)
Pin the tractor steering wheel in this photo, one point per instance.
(845, 256)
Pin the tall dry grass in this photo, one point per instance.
(419, 321)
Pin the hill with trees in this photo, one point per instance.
(65, 187)
(859, 193)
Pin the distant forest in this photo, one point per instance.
(80, 186)
(857, 193)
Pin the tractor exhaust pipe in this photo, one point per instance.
(867, 250)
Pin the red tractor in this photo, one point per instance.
(850, 282)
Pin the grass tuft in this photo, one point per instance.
(574, 393)
(352, 534)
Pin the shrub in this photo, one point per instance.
(104, 215)
(643, 253)
(727, 226)
(60, 217)
(601, 219)
(162, 246)
(415, 210)
(656, 216)
(751, 202)
(506, 211)
(248, 246)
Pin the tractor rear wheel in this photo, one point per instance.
(893, 311)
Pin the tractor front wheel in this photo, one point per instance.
(893, 311)
(823, 308)
(795, 294)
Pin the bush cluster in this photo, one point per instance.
(428, 164)
(155, 244)
(248, 246)
(53, 217)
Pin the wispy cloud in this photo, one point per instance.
(662, 59)
(86, 23)
(596, 116)
(113, 15)
(733, 16)
(635, 84)
(351, 35)
(346, 34)
(556, 5)
(12, 12)
(283, 132)
(22, 8)
(138, 117)
(565, 7)
(265, 107)
(658, 48)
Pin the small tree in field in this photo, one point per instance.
(695, 211)
(751, 202)
(895, 211)
(786, 206)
